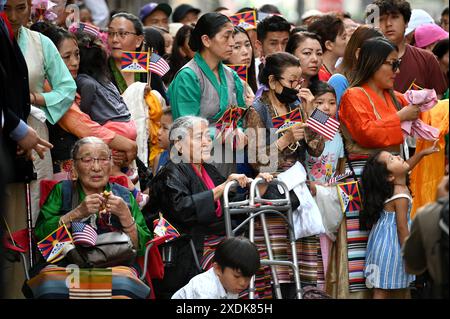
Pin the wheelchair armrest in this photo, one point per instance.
(154, 242)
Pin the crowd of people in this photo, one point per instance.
(125, 149)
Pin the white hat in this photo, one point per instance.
(311, 13)
(174, 27)
(418, 17)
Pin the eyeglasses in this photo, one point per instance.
(395, 64)
(89, 161)
(121, 34)
(294, 83)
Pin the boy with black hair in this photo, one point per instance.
(272, 37)
(270, 8)
(236, 260)
(418, 67)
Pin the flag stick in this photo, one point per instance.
(149, 72)
(9, 231)
(412, 83)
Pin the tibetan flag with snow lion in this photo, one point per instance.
(134, 61)
(51, 247)
(349, 197)
(246, 20)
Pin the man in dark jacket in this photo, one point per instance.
(426, 249)
(17, 141)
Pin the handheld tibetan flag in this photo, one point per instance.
(246, 20)
(51, 247)
(158, 65)
(230, 118)
(349, 197)
(323, 124)
(241, 70)
(163, 228)
(134, 61)
(83, 234)
(286, 121)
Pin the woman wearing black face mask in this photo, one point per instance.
(282, 76)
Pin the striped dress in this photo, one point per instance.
(384, 266)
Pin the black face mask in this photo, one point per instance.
(287, 96)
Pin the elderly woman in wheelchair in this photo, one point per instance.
(100, 232)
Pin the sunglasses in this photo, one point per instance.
(395, 64)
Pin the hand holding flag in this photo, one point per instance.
(286, 121)
(321, 123)
(51, 247)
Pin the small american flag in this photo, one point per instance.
(337, 178)
(158, 65)
(323, 124)
(89, 28)
(83, 234)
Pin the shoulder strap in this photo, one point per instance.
(69, 200)
(371, 102)
(263, 112)
(398, 196)
(122, 192)
(396, 102)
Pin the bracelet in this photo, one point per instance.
(61, 222)
(132, 224)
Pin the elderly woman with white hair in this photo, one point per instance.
(107, 208)
(188, 191)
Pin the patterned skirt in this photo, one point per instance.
(309, 255)
(55, 282)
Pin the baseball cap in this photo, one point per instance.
(418, 17)
(182, 10)
(146, 10)
(428, 34)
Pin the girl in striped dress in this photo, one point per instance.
(387, 209)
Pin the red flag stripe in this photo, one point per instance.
(321, 129)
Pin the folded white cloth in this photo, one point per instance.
(327, 200)
(38, 114)
(307, 217)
